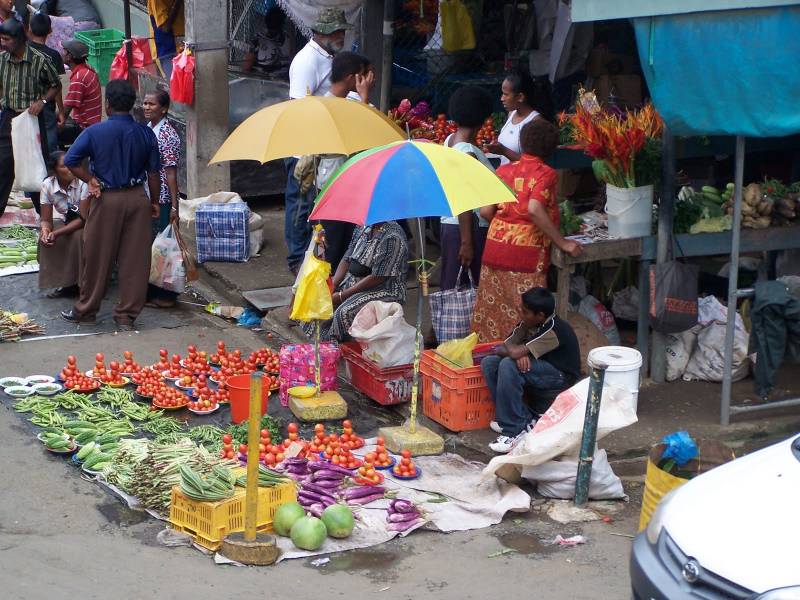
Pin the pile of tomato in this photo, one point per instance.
(74, 379)
(196, 362)
(486, 134)
(379, 457)
(113, 375)
(268, 360)
(165, 396)
(406, 466)
(99, 366)
(333, 448)
(368, 475)
(130, 366)
(268, 453)
(174, 369)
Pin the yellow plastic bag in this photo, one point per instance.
(458, 32)
(312, 300)
(459, 351)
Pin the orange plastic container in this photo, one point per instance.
(456, 398)
(385, 386)
(210, 522)
(239, 392)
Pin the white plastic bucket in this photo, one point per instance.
(622, 367)
(629, 210)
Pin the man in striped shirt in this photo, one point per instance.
(83, 102)
(29, 82)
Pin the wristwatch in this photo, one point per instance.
(43, 100)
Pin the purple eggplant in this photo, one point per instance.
(315, 487)
(402, 506)
(313, 497)
(326, 474)
(358, 492)
(326, 466)
(295, 460)
(401, 517)
(366, 499)
(404, 525)
(328, 484)
(315, 509)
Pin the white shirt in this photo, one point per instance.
(467, 148)
(310, 71)
(62, 199)
(509, 134)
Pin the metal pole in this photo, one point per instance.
(733, 283)
(421, 293)
(589, 439)
(128, 44)
(253, 436)
(386, 64)
(666, 213)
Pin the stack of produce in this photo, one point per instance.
(130, 366)
(403, 515)
(23, 252)
(756, 206)
(309, 532)
(14, 325)
(217, 485)
(266, 478)
(406, 466)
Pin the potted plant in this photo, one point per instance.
(626, 148)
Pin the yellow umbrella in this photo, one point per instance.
(310, 125)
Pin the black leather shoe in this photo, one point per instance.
(124, 325)
(71, 316)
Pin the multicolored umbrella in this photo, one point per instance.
(405, 180)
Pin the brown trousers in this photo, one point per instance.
(117, 231)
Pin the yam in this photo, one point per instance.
(752, 194)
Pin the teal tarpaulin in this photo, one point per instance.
(724, 73)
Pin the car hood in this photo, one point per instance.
(741, 520)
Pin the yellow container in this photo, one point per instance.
(210, 522)
(658, 483)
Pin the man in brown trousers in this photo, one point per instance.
(123, 156)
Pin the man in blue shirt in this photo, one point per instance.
(123, 156)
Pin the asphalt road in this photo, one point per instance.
(65, 537)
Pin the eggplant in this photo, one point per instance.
(402, 517)
(366, 499)
(358, 492)
(312, 497)
(326, 466)
(326, 474)
(404, 525)
(315, 509)
(313, 487)
(402, 506)
(329, 484)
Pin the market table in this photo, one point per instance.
(684, 245)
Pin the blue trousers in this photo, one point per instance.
(506, 382)
(296, 228)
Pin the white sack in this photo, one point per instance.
(556, 478)
(383, 332)
(29, 167)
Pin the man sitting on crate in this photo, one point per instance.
(542, 353)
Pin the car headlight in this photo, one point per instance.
(790, 593)
(656, 523)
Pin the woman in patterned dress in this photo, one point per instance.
(156, 107)
(373, 268)
(517, 253)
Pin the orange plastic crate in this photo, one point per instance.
(456, 398)
(210, 522)
(385, 386)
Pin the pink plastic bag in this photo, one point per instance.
(181, 83)
(297, 367)
(141, 58)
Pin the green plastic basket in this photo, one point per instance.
(103, 45)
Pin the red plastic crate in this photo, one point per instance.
(385, 386)
(456, 398)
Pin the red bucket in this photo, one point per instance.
(239, 393)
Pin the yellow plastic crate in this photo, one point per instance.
(210, 522)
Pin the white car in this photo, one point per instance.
(731, 533)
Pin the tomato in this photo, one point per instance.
(221, 345)
(346, 424)
(227, 438)
(280, 456)
(405, 461)
(292, 428)
(269, 458)
(99, 357)
(380, 441)
(71, 360)
(405, 454)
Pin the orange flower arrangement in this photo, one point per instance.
(625, 145)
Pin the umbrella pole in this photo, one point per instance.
(417, 439)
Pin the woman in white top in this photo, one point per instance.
(462, 238)
(524, 102)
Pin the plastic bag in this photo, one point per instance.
(680, 447)
(451, 310)
(181, 82)
(386, 337)
(556, 478)
(166, 262)
(625, 304)
(594, 310)
(141, 57)
(708, 359)
(560, 429)
(459, 351)
(678, 350)
(26, 140)
(458, 32)
(673, 296)
(312, 300)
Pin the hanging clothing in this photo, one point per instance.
(775, 328)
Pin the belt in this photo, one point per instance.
(120, 189)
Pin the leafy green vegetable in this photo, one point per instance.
(271, 424)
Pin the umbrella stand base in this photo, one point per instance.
(326, 406)
(261, 551)
(421, 442)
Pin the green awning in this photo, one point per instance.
(603, 10)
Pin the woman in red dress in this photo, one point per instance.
(517, 252)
